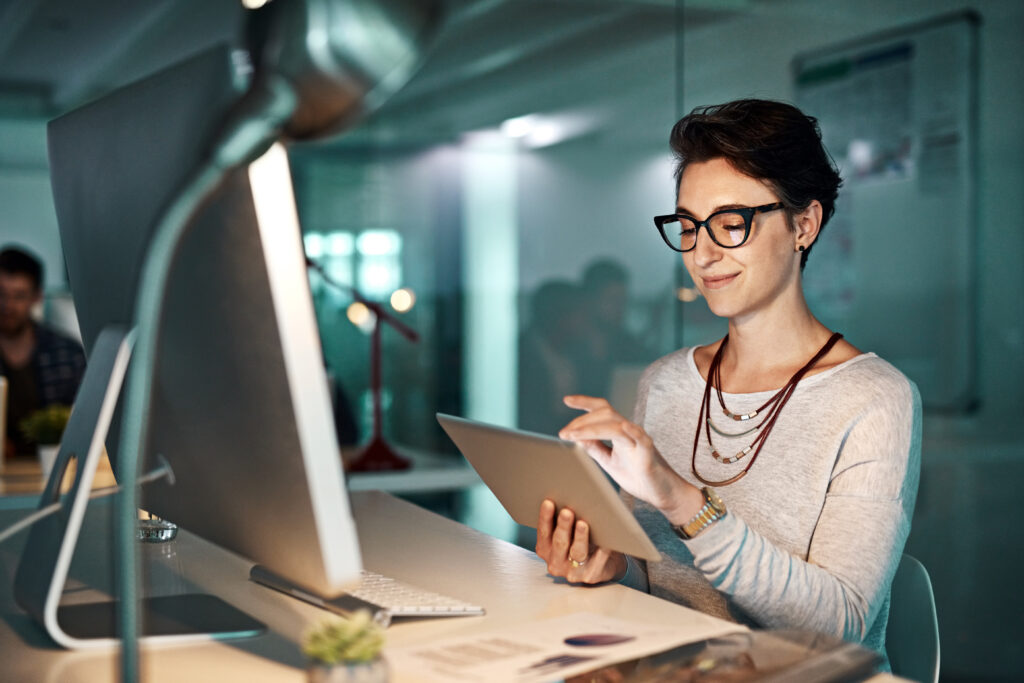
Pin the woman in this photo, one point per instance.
(776, 469)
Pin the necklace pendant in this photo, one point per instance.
(721, 458)
(740, 418)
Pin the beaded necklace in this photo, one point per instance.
(773, 406)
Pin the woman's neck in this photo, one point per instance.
(765, 349)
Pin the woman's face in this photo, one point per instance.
(742, 281)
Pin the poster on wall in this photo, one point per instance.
(894, 270)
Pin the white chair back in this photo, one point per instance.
(912, 635)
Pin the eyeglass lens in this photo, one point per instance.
(727, 229)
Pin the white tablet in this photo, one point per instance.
(522, 469)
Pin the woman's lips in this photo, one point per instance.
(718, 281)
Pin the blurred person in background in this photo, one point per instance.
(42, 366)
(607, 342)
(547, 348)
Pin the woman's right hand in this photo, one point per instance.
(564, 543)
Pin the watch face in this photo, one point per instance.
(712, 510)
(716, 502)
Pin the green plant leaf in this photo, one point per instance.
(46, 425)
(357, 639)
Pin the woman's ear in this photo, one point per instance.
(807, 224)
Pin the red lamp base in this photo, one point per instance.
(378, 457)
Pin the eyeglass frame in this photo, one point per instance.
(747, 213)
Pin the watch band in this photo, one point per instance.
(712, 511)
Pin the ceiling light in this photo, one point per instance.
(519, 127)
(545, 134)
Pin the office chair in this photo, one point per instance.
(912, 635)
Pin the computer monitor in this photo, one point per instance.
(241, 410)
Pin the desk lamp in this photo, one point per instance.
(377, 455)
(318, 66)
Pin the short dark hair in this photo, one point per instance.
(764, 139)
(16, 261)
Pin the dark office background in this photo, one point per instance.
(533, 142)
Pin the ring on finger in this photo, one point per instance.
(578, 563)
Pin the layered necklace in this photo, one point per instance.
(769, 413)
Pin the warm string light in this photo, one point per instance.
(361, 316)
(687, 294)
(402, 300)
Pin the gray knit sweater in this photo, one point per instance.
(815, 530)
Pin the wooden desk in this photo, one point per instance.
(397, 538)
(23, 476)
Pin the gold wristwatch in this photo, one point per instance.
(712, 511)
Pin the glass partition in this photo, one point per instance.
(515, 177)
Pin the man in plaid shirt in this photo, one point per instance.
(42, 366)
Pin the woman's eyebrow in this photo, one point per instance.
(724, 207)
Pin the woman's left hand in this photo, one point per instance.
(563, 542)
(632, 460)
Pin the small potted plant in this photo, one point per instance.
(346, 651)
(46, 427)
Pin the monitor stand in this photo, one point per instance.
(46, 559)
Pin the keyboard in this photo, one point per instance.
(382, 596)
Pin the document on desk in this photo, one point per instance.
(548, 650)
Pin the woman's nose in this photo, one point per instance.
(705, 251)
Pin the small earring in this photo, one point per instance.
(800, 248)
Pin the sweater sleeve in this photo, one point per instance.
(841, 587)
